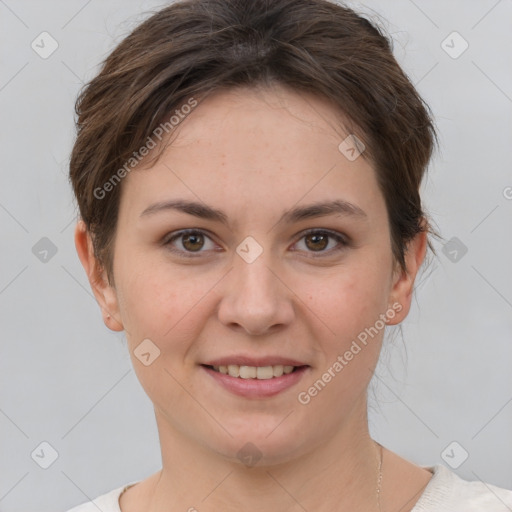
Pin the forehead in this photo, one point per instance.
(244, 146)
(270, 115)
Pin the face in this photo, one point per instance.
(260, 279)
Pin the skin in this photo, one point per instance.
(254, 154)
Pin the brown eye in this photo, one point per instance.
(189, 243)
(317, 241)
(193, 242)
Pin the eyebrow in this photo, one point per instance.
(203, 211)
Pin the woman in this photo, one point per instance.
(248, 180)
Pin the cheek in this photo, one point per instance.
(348, 303)
(155, 306)
(151, 306)
(161, 305)
(349, 300)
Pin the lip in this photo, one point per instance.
(256, 388)
(242, 360)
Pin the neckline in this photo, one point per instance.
(434, 470)
(124, 489)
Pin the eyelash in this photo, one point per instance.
(342, 241)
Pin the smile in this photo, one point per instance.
(255, 381)
(255, 372)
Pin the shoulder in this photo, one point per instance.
(447, 492)
(108, 502)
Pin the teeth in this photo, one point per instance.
(264, 372)
(278, 370)
(248, 372)
(254, 372)
(234, 370)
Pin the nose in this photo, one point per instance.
(255, 297)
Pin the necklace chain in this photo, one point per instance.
(379, 481)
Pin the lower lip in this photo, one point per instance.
(257, 388)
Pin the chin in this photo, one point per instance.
(270, 445)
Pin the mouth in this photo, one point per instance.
(255, 382)
(255, 372)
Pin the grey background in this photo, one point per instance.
(67, 380)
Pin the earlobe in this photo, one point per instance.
(403, 280)
(104, 293)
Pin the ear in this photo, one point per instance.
(105, 294)
(403, 281)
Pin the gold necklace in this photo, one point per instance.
(379, 481)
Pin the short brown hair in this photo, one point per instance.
(194, 47)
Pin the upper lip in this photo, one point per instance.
(241, 360)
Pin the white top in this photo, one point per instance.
(445, 492)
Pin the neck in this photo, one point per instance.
(339, 473)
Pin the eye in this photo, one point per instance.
(192, 241)
(317, 240)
